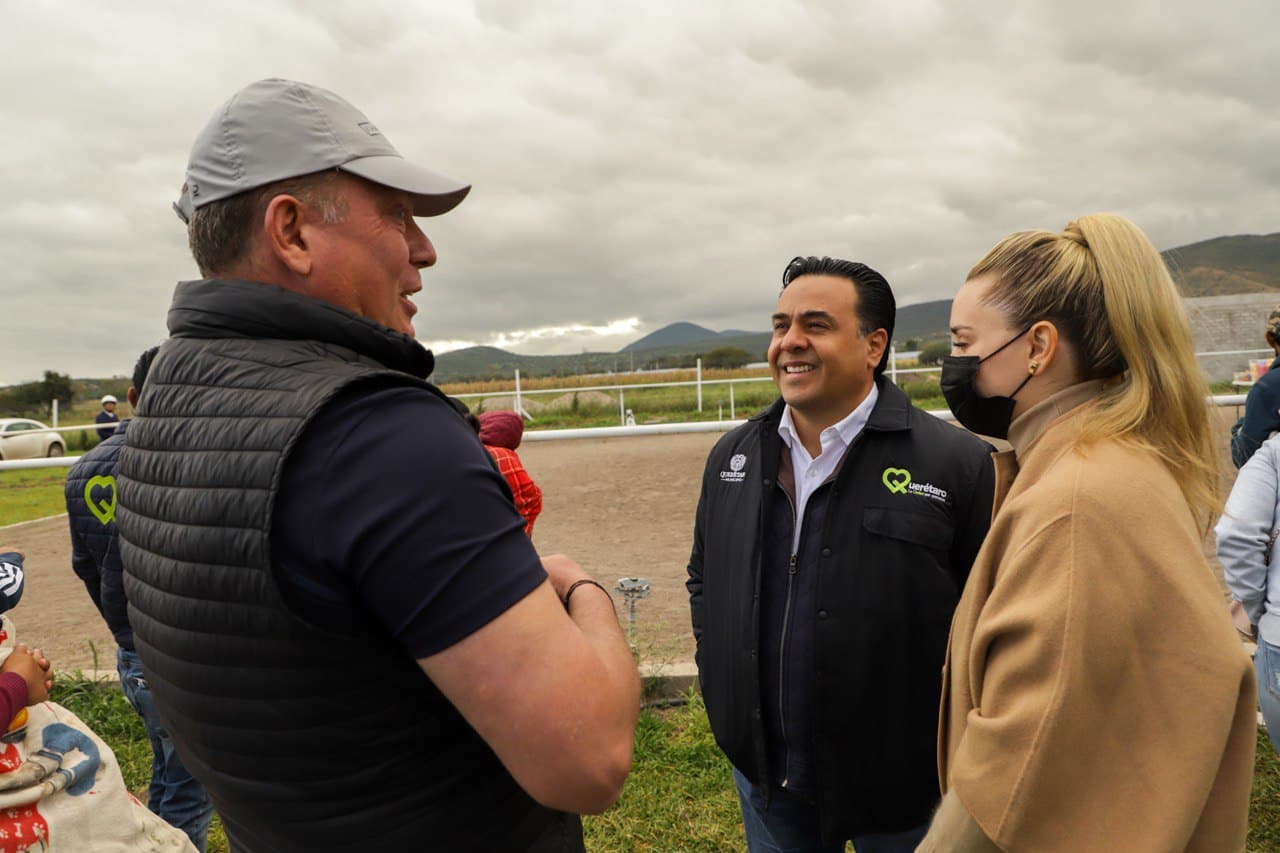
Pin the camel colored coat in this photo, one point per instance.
(1095, 695)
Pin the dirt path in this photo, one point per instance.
(620, 506)
(55, 612)
(623, 507)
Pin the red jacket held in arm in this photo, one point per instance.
(528, 497)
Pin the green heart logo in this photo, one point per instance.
(896, 480)
(103, 509)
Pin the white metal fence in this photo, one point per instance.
(517, 397)
(1221, 400)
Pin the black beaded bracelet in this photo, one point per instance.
(569, 592)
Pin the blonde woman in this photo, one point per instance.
(1095, 695)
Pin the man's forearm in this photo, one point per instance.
(617, 701)
(592, 610)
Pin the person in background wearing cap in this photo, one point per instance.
(298, 502)
(1262, 406)
(107, 416)
(91, 499)
(500, 433)
(25, 676)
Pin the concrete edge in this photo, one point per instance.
(32, 521)
(664, 681)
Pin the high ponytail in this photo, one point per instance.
(1105, 286)
(1159, 402)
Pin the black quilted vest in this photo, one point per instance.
(246, 688)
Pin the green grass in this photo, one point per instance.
(1264, 806)
(680, 794)
(679, 797)
(680, 405)
(31, 493)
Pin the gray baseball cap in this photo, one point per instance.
(276, 129)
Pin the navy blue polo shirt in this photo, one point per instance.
(391, 513)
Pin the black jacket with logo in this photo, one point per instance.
(95, 551)
(856, 650)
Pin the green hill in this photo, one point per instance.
(922, 320)
(675, 334)
(1246, 263)
(479, 363)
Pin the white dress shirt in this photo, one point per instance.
(810, 472)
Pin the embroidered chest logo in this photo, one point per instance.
(735, 474)
(898, 481)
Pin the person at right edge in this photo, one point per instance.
(1262, 407)
(1096, 696)
(1246, 541)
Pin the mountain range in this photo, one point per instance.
(1216, 267)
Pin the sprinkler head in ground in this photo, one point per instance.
(632, 589)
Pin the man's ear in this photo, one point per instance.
(132, 396)
(877, 343)
(283, 223)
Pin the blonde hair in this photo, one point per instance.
(1108, 291)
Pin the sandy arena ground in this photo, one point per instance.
(621, 506)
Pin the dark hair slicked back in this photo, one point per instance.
(876, 305)
(142, 368)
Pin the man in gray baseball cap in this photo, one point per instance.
(352, 641)
(276, 129)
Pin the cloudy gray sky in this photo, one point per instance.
(634, 163)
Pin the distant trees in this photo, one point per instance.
(57, 386)
(933, 351)
(35, 399)
(726, 358)
(670, 362)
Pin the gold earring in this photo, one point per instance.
(1033, 367)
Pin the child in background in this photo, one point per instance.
(500, 432)
(61, 789)
(25, 677)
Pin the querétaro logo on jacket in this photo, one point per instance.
(898, 481)
(100, 496)
(736, 472)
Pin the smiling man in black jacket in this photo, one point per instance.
(834, 533)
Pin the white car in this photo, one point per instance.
(19, 440)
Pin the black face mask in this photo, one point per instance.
(983, 415)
